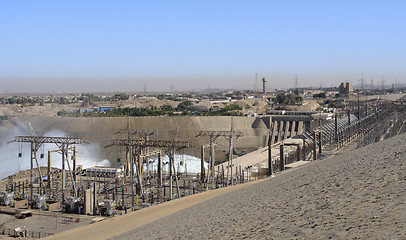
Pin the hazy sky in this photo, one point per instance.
(124, 45)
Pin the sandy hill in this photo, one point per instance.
(359, 194)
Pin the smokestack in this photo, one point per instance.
(264, 85)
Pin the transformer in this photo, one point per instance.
(107, 207)
(72, 204)
(6, 199)
(39, 201)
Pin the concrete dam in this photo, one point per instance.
(183, 128)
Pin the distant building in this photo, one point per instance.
(104, 109)
(221, 100)
(308, 93)
(332, 93)
(85, 110)
(346, 89)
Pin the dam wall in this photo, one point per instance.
(103, 130)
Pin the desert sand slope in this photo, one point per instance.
(358, 194)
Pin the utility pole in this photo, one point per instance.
(314, 146)
(336, 129)
(132, 174)
(202, 175)
(63, 173)
(171, 160)
(281, 158)
(270, 167)
(230, 156)
(212, 159)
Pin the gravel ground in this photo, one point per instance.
(360, 194)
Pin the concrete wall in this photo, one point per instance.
(102, 130)
(286, 126)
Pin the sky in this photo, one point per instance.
(91, 46)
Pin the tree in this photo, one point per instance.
(167, 108)
(289, 98)
(183, 105)
(121, 96)
(232, 107)
(320, 95)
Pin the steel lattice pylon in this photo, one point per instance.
(36, 143)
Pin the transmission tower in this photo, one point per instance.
(63, 144)
(362, 82)
(256, 82)
(213, 136)
(136, 148)
(382, 83)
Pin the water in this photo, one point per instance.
(11, 163)
(183, 163)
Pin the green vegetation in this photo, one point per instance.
(332, 104)
(289, 98)
(168, 97)
(320, 95)
(21, 100)
(231, 107)
(86, 99)
(184, 108)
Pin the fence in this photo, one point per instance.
(24, 233)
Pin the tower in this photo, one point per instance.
(382, 83)
(256, 82)
(264, 85)
(296, 86)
